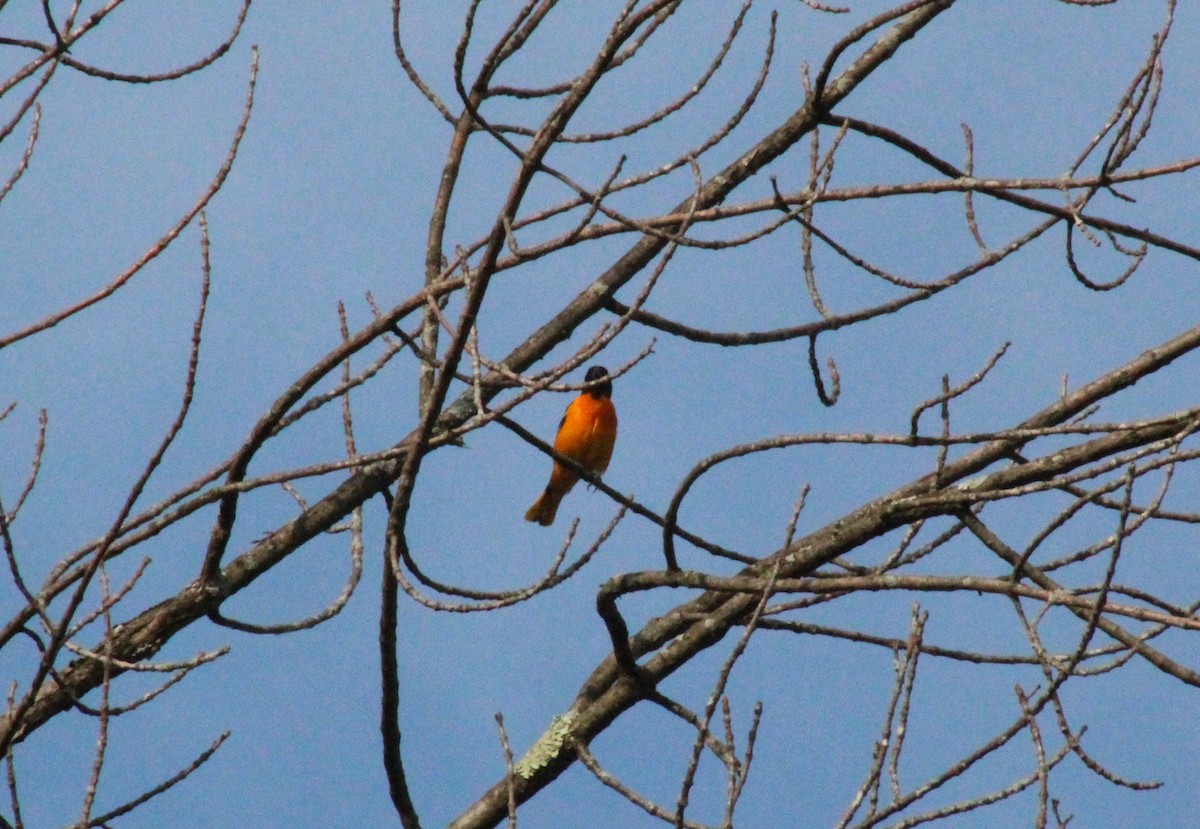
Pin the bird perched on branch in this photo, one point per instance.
(586, 435)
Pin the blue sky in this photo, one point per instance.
(329, 200)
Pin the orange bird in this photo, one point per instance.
(586, 435)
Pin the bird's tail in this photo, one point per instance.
(545, 507)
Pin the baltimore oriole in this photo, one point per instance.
(586, 435)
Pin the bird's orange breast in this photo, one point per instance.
(588, 432)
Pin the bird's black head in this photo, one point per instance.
(600, 389)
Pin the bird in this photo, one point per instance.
(586, 435)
